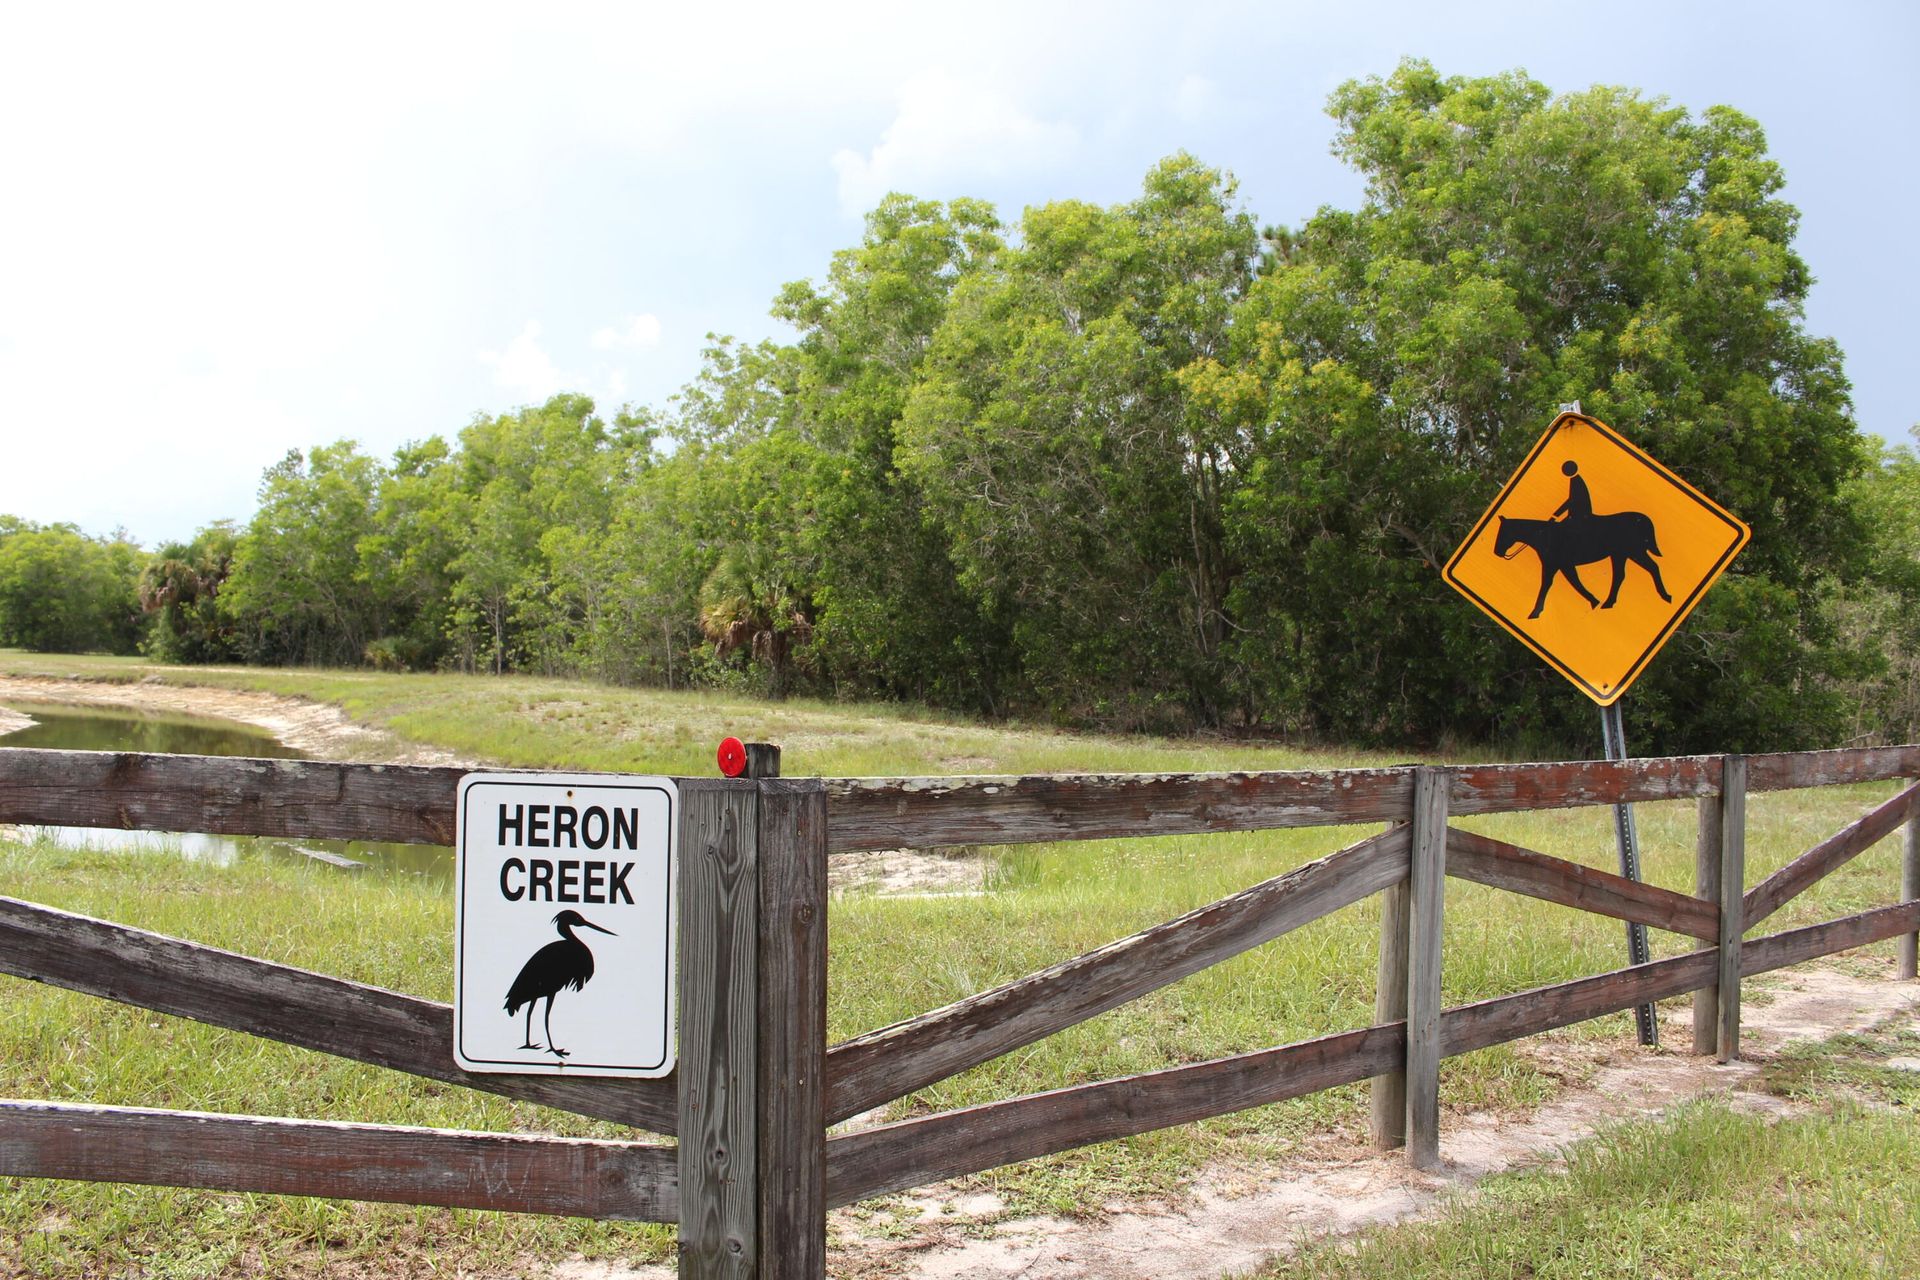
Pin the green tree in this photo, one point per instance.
(523, 480)
(64, 592)
(869, 562)
(181, 589)
(1876, 614)
(296, 585)
(1079, 482)
(1515, 251)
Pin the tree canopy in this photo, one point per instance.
(1152, 465)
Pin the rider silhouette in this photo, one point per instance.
(1579, 503)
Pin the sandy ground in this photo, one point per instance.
(314, 728)
(1233, 1220)
(908, 872)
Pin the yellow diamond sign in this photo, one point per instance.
(1593, 554)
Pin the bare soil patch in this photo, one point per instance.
(317, 729)
(908, 871)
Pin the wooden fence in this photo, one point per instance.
(758, 1090)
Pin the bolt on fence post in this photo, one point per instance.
(1733, 857)
(1426, 882)
(1706, 886)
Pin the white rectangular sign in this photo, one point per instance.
(564, 922)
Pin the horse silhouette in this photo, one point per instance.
(1564, 545)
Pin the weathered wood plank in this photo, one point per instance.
(1512, 788)
(415, 804)
(1792, 770)
(1706, 887)
(719, 1047)
(1733, 923)
(226, 795)
(793, 1030)
(1487, 861)
(1503, 1018)
(919, 813)
(294, 1006)
(1427, 885)
(1796, 946)
(1794, 879)
(894, 1061)
(510, 1172)
(915, 1152)
(953, 1143)
(1387, 1121)
(922, 813)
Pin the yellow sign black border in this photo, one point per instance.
(1741, 533)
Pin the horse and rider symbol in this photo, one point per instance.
(1582, 537)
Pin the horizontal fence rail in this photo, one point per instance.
(414, 804)
(575, 1177)
(230, 795)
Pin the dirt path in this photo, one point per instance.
(1233, 1220)
(314, 728)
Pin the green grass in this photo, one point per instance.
(1705, 1191)
(892, 957)
(531, 722)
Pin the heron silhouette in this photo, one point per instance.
(551, 970)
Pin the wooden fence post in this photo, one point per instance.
(1426, 881)
(1733, 858)
(793, 1030)
(1909, 890)
(1389, 1121)
(1706, 886)
(719, 1044)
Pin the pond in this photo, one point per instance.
(66, 727)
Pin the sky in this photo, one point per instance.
(231, 231)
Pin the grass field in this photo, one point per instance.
(892, 956)
(1828, 1192)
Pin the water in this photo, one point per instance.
(59, 726)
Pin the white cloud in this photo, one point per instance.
(525, 367)
(1195, 99)
(949, 130)
(634, 331)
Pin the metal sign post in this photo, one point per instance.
(1614, 739)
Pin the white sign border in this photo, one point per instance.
(602, 780)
